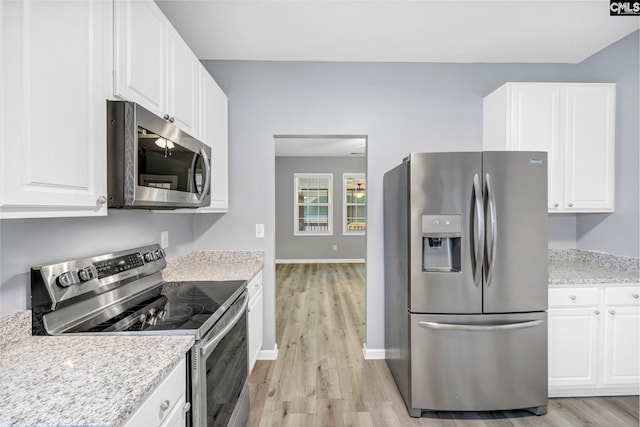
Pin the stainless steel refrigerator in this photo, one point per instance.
(466, 280)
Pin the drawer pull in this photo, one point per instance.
(636, 296)
(596, 312)
(165, 405)
(612, 311)
(573, 297)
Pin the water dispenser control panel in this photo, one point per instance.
(447, 224)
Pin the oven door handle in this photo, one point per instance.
(211, 344)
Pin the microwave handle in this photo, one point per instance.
(207, 179)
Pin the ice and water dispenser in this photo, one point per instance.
(441, 238)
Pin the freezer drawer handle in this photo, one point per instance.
(480, 328)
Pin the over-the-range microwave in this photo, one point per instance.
(151, 163)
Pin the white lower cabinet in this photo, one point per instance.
(594, 341)
(622, 336)
(255, 319)
(166, 406)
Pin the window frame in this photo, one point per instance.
(345, 204)
(297, 204)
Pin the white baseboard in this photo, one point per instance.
(321, 261)
(268, 354)
(372, 353)
(577, 391)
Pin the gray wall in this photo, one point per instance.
(617, 233)
(401, 108)
(27, 242)
(289, 246)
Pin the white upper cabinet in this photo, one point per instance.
(56, 61)
(153, 65)
(183, 84)
(589, 147)
(574, 123)
(214, 119)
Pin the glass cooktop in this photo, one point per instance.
(185, 306)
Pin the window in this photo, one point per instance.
(355, 202)
(313, 214)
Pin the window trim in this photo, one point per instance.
(345, 176)
(296, 204)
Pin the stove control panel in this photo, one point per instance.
(118, 265)
(57, 282)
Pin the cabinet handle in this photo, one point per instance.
(186, 407)
(101, 200)
(596, 312)
(555, 205)
(166, 117)
(165, 405)
(636, 296)
(573, 297)
(612, 311)
(570, 204)
(172, 119)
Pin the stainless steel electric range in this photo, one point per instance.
(123, 293)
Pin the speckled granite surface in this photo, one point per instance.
(80, 381)
(576, 267)
(214, 265)
(15, 328)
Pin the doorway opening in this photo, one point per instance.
(320, 239)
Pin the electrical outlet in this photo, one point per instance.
(164, 239)
(260, 230)
(335, 247)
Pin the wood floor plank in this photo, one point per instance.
(321, 378)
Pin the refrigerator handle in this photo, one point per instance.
(477, 224)
(492, 221)
(480, 328)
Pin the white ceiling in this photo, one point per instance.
(320, 147)
(565, 31)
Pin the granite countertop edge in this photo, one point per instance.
(73, 361)
(574, 267)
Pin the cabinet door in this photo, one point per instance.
(589, 147)
(183, 84)
(534, 125)
(214, 121)
(140, 54)
(53, 153)
(255, 327)
(177, 417)
(573, 335)
(622, 344)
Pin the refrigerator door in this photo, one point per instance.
(445, 232)
(478, 363)
(516, 255)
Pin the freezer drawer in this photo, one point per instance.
(478, 362)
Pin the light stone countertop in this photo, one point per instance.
(79, 380)
(99, 381)
(214, 265)
(577, 267)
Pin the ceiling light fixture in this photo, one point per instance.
(359, 192)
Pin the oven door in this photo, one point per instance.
(219, 370)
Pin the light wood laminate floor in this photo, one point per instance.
(322, 379)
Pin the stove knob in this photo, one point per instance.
(160, 254)
(87, 273)
(149, 256)
(162, 314)
(69, 278)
